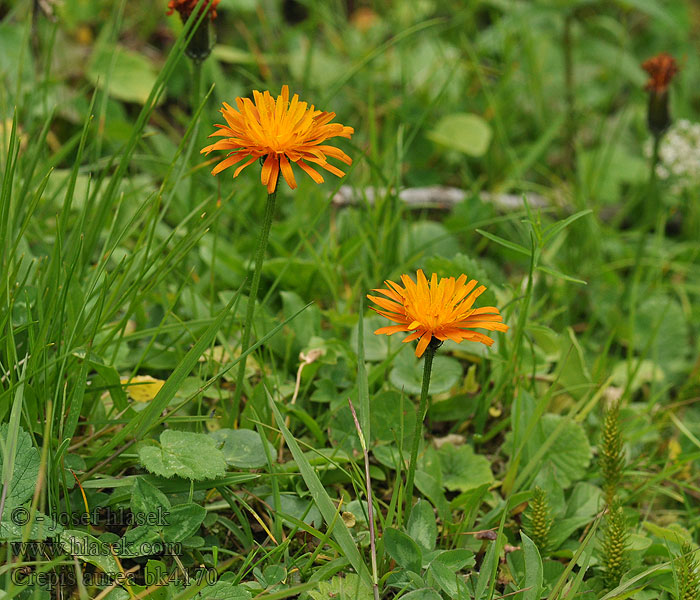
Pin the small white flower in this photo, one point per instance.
(679, 155)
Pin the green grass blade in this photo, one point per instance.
(321, 497)
(505, 243)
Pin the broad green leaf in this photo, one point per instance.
(445, 577)
(298, 274)
(533, 569)
(605, 169)
(563, 528)
(241, 448)
(407, 374)
(347, 587)
(157, 571)
(661, 330)
(429, 483)
(422, 594)
(299, 508)
(43, 526)
(128, 75)
(462, 469)
(140, 541)
(25, 468)
(674, 533)
(224, 590)
(402, 549)
(422, 527)
(466, 132)
(561, 445)
(307, 323)
(570, 452)
(181, 453)
(573, 375)
(88, 548)
(147, 499)
(388, 415)
(584, 501)
(183, 521)
(274, 574)
(457, 559)
(427, 238)
(487, 570)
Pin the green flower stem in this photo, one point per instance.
(250, 310)
(652, 204)
(569, 92)
(655, 159)
(420, 415)
(196, 99)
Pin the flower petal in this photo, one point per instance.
(287, 171)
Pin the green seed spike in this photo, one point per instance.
(611, 459)
(614, 548)
(688, 574)
(537, 520)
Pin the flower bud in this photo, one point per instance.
(661, 69)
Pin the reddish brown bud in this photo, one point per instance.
(186, 7)
(661, 68)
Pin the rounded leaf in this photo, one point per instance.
(242, 448)
(466, 132)
(402, 549)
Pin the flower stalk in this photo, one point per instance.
(569, 96)
(250, 309)
(420, 416)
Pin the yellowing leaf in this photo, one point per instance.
(217, 354)
(142, 388)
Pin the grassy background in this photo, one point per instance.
(123, 256)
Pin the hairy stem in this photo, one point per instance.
(250, 309)
(420, 415)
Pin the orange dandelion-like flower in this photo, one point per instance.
(661, 68)
(436, 310)
(186, 7)
(282, 132)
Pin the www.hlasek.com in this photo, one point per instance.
(69, 578)
(93, 547)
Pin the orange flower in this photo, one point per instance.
(661, 69)
(282, 132)
(442, 310)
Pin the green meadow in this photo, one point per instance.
(193, 399)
